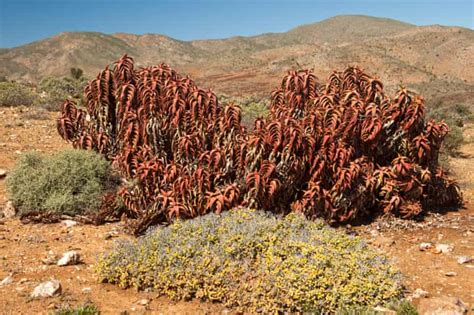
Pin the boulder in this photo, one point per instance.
(69, 258)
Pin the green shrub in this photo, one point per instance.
(254, 261)
(455, 116)
(16, 94)
(76, 73)
(404, 307)
(55, 90)
(453, 141)
(69, 182)
(252, 107)
(85, 309)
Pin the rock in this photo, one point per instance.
(450, 274)
(110, 234)
(8, 280)
(443, 248)
(3, 173)
(86, 290)
(9, 210)
(47, 289)
(442, 306)
(143, 302)
(69, 258)
(69, 223)
(425, 246)
(464, 259)
(420, 293)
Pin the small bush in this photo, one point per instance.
(404, 307)
(54, 90)
(76, 73)
(453, 141)
(455, 116)
(70, 182)
(16, 94)
(85, 309)
(252, 107)
(255, 262)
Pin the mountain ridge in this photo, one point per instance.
(397, 52)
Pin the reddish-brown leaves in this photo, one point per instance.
(335, 151)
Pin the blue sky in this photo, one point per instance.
(24, 21)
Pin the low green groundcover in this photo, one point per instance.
(254, 261)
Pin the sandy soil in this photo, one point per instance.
(22, 247)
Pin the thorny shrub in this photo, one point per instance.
(255, 262)
(337, 151)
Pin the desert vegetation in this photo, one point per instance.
(234, 181)
(70, 182)
(16, 94)
(48, 94)
(255, 262)
(337, 151)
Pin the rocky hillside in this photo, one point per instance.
(436, 60)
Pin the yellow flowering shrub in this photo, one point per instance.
(255, 262)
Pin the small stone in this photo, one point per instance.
(47, 289)
(143, 302)
(8, 280)
(69, 258)
(86, 290)
(9, 210)
(443, 248)
(69, 223)
(420, 293)
(464, 259)
(450, 274)
(425, 246)
(3, 173)
(110, 235)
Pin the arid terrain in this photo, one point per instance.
(23, 247)
(436, 61)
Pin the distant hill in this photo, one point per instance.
(436, 60)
